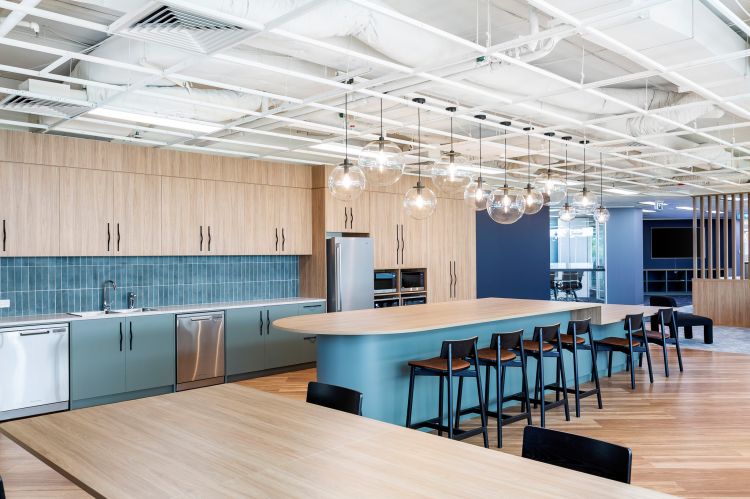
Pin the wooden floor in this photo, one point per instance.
(689, 434)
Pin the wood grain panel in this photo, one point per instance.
(86, 212)
(726, 301)
(312, 268)
(182, 216)
(743, 272)
(137, 214)
(224, 217)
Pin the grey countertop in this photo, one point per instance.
(175, 309)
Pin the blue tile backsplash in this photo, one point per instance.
(37, 286)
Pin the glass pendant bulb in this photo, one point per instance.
(477, 194)
(585, 201)
(506, 205)
(601, 215)
(382, 162)
(346, 182)
(533, 200)
(552, 187)
(450, 175)
(567, 213)
(420, 202)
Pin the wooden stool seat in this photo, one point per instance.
(441, 365)
(568, 339)
(490, 355)
(652, 335)
(618, 342)
(533, 346)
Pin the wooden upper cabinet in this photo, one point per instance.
(137, 214)
(351, 217)
(293, 213)
(86, 218)
(224, 218)
(29, 210)
(385, 229)
(183, 231)
(260, 220)
(414, 242)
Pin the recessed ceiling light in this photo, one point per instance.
(647, 203)
(687, 208)
(648, 211)
(155, 120)
(622, 192)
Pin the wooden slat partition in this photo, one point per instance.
(710, 231)
(717, 236)
(742, 236)
(726, 237)
(695, 242)
(703, 238)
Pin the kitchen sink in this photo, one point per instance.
(102, 313)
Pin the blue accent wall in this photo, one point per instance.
(513, 260)
(625, 256)
(37, 286)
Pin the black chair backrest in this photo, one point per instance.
(575, 452)
(633, 322)
(547, 333)
(666, 318)
(508, 341)
(582, 326)
(334, 397)
(662, 301)
(459, 349)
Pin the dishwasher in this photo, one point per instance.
(200, 350)
(34, 370)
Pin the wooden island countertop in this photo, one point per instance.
(431, 316)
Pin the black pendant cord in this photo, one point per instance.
(549, 158)
(451, 133)
(381, 119)
(567, 195)
(346, 128)
(419, 141)
(505, 147)
(601, 180)
(528, 160)
(479, 183)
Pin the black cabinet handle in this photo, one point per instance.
(351, 217)
(201, 233)
(118, 236)
(283, 239)
(131, 335)
(450, 274)
(261, 323)
(5, 235)
(398, 245)
(209, 238)
(268, 323)
(277, 239)
(121, 336)
(403, 243)
(346, 218)
(109, 236)
(312, 306)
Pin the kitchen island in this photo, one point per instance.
(369, 350)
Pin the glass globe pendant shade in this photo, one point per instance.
(533, 200)
(567, 213)
(477, 194)
(585, 201)
(506, 205)
(450, 175)
(420, 202)
(552, 187)
(346, 182)
(382, 162)
(601, 215)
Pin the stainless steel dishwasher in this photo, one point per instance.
(200, 350)
(33, 370)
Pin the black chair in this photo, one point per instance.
(335, 397)
(570, 283)
(578, 453)
(546, 344)
(458, 358)
(505, 350)
(683, 319)
(2, 489)
(663, 337)
(629, 345)
(572, 342)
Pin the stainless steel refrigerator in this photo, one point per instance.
(350, 273)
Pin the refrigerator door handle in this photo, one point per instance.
(338, 277)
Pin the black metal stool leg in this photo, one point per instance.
(679, 353)
(564, 386)
(631, 364)
(576, 384)
(595, 375)
(500, 396)
(541, 385)
(525, 390)
(450, 404)
(536, 382)
(666, 358)
(440, 407)
(458, 401)
(557, 378)
(411, 398)
(487, 385)
(482, 409)
(648, 361)
(609, 366)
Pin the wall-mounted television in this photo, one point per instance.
(671, 242)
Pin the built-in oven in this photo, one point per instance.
(387, 301)
(415, 299)
(386, 281)
(412, 280)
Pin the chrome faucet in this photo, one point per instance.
(131, 300)
(106, 301)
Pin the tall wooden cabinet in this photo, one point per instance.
(399, 240)
(452, 254)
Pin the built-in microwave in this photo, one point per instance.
(386, 281)
(412, 280)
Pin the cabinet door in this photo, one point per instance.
(337, 214)
(97, 358)
(464, 252)
(353, 216)
(224, 218)
(137, 214)
(385, 229)
(307, 350)
(260, 220)
(150, 352)
(86, 219)
(295, 220)
(244, 337)
(29, 212)
(439, 261)
(182, 217)
(414, 250)
(282, 348)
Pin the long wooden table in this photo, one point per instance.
(234, 441)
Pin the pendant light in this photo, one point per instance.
(533, 199)
(381, 160)
(584, 201)
(477, 193)
(419, 202)
(551, 184)
(601, 214)
(347, 180)
(450, 175)
(567, 212)
(506, 205)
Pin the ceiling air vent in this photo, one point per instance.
(43, 107)
(185, 30)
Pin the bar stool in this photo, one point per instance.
(539, 348)
(629, 345)
(505, 350)
(662, 337)
(572, 342)
(451, 363)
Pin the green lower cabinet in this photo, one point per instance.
(244, 339)
(97, 358)
(308, 351)
(282, 348)
(150, 352)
